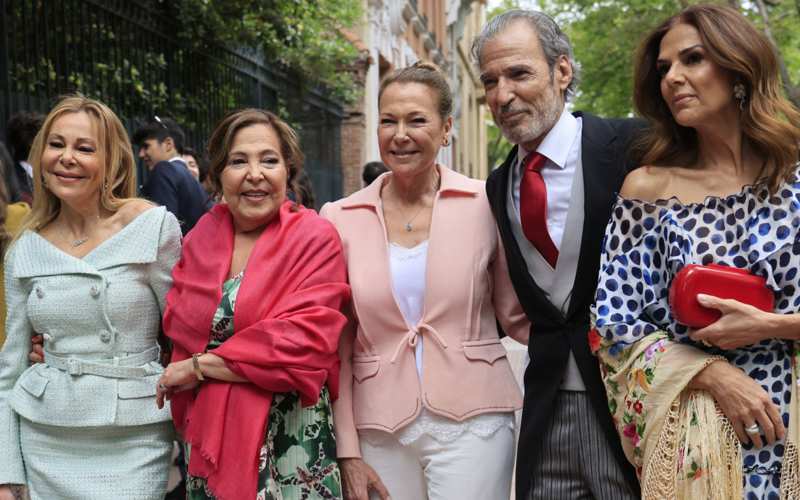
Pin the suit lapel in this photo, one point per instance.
(600, 183)
(533, 299)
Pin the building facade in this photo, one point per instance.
(395, 34)
(470, 113)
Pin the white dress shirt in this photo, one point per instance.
(562, 148)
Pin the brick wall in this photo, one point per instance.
(353, 134)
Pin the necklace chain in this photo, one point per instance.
(408, 227)
(80, 241)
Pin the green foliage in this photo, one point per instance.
(303, 35)
(497, 146)
(605, 36)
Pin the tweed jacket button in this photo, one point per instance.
(39, 292)
(105, 336)
(95, 291)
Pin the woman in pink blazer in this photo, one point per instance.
(427, 393)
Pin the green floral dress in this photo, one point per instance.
(298, 458)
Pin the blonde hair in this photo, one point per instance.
(425, 73)
(118, 183)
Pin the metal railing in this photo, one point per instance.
(127, 54)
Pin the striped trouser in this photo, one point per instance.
(576, 461)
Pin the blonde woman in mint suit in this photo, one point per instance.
(89, 272)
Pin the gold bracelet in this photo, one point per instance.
(196, 366)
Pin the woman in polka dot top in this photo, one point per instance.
(709, 413)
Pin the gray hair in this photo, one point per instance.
(554, 42)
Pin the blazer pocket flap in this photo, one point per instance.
(34, 383)
(137, 388)
(488, 352)
(365, 368)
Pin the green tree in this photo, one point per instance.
(605, 36)
(302, 35)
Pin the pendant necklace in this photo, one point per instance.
(79, 241)
(408, 226)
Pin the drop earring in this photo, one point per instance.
(740, 94)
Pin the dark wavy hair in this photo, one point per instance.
(769, 121)
(219, 145)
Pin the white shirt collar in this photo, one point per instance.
(552, 146)
(177, 158)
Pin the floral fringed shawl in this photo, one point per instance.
(681, 444)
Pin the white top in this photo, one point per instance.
(558, 171)
(408, 266)
(28, 168)
(179, 159)
(408, 284)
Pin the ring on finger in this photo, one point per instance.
(752, 429)
(707, 344)
(162, 386)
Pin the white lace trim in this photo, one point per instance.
(443, 429)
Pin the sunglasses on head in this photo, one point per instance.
(158, 120)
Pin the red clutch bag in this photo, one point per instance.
(720, 281)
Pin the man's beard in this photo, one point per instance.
(541, 120)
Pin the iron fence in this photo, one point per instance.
(127, 54)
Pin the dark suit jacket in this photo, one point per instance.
(604, 146)
(20, 185)
(171, 184)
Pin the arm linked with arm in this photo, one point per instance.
(507, 308)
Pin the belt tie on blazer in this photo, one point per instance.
(412, 336)
(116, 367)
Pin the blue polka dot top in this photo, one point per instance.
(645, 246)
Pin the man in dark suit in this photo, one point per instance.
(22, 127)
(552, 198)
(169, 182)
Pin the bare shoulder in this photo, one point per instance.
(647, 183)
(133, 209)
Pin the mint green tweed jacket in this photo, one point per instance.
(100, 318)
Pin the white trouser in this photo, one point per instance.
(471, 467)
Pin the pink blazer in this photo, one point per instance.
(465, 369)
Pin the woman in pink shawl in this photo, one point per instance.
(254, 316)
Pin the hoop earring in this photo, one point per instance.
(446, 142)
(740, 94)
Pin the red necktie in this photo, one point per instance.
(533, 207)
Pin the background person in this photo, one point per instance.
(255, 317)
(371, 171)
(20, 131)
(192, 160)
(89, 272)
(551, 198)
(11, 215)
(169, 182)
(428, 397)
(700, 414)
